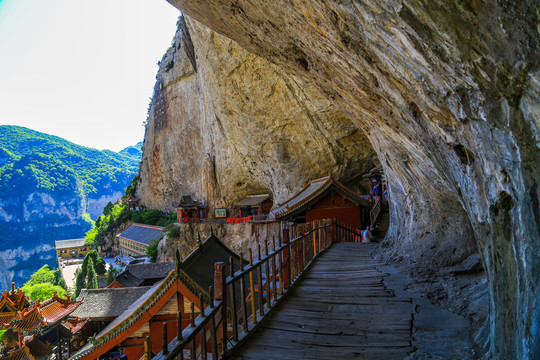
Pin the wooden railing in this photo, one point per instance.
(346, 233)
(243, 299)
(375, 211)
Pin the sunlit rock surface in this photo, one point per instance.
(447, 92)
(239, 125)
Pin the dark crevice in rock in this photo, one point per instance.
(503, 205)
(188, 43)
(465, 156)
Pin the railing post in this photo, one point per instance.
(314, 237)
(179, 325)
(233, 301)
(221, 294)
(219, 281)
(286, 260)
(148, 348)
(268, 281)
(259, 275)
(274, 283)
(211, 293)
(252, 289)
(192, 314)
(164, 342)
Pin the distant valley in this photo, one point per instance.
(51, 189)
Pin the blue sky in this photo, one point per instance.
(82, 70)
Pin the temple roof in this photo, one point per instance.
(107, 303)
(27, 320)
(38, 349)
(74, 324)
(13, 300)
(199, 265)
(56, 308)
(131, 199)
(312, 193)
(131, 312)
(68, 244)
(187, 202)
(22, 353)
(144, 234)
(43, 313)
(253, 200)
(6, 317)
(135, 274)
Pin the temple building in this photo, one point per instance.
(325, 198)
(256, 206)
(137, 237)
(125, 316)
(142, 275)
(43, 320)
(132, 202)
(73, 248)
(190, 210)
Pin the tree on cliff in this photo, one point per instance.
(80, 282)
(92, 282)
(108, 208)
(110, 277)
(152, 251)
(43, 283)
(97, 262)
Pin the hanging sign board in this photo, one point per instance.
(221, 213)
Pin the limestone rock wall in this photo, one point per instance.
(447, 93)
(239, 125)
(237, 237)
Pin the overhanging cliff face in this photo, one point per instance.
(225, 123)
(447, 93)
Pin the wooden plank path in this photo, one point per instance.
(341, 309)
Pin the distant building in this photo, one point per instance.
(72, 248)
(137, 237)
(190, 210)
(142, 275)
(255, 205)
(132, 202)
(325, 198)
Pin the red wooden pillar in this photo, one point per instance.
(179, 214)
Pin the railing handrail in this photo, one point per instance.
(288, 255)
(375, 211)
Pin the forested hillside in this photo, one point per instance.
(50, 189)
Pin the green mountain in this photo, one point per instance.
(50, 189)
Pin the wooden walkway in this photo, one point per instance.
(341, 309)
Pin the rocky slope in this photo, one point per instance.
(49, 190)
(446, 92)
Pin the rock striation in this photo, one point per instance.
(225, 123)
(445, 92)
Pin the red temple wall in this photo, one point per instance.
(115, 285)
(349, 215)
(266, 206)
(335, 206)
